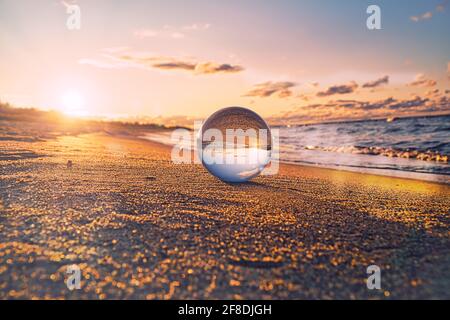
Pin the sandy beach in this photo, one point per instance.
(141, 227)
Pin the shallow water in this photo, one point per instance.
(413, 145)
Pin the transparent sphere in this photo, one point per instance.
(236, 144)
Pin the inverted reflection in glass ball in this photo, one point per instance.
(236, 144)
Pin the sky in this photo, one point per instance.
(173, 61)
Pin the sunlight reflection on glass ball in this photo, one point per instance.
(236, 144)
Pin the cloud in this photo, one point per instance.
(429, 14)
(422, 81)
(441, 7)
(210, 67)
(386, 104)
(116, 58)
(432, 93)
(284, 94)
(198, 67)
(303, 97)
(353, 109)
(424, 16)
(339, 89)
(175, 65)
(376, 83)
(408, 104)
(169, 63)
(269, 88)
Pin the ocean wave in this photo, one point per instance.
(428, 155)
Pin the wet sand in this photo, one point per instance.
(140, 227)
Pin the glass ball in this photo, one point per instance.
(236, 144)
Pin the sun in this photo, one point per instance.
(72, 103)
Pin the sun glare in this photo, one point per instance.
(73, 103)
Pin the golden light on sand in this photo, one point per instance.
(72, 103)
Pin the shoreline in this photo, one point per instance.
(392, 173)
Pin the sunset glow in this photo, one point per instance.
(72, 103)
(157, 62)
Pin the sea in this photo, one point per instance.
(416, 147)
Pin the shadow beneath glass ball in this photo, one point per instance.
(247, 184)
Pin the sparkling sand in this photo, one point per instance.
(140, 227)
